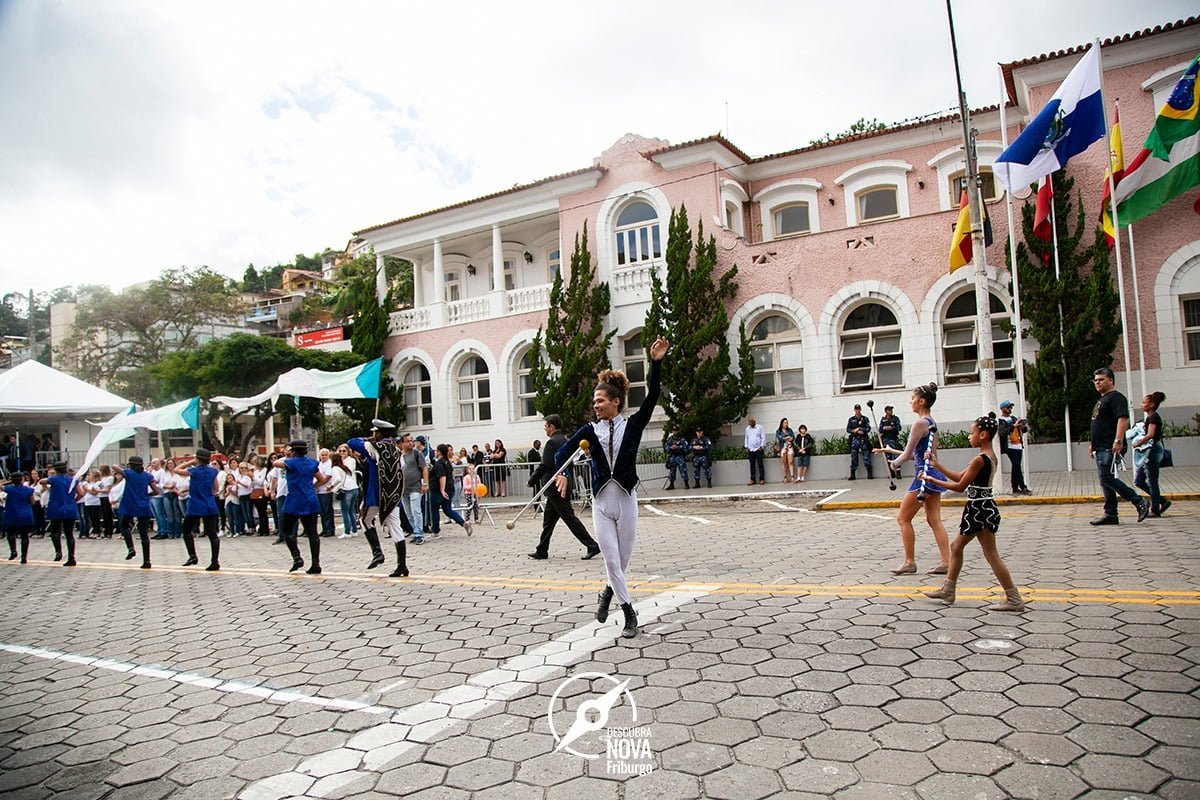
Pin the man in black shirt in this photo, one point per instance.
(557, 506)
(1110, 420)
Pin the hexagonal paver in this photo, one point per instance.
(741, 782)
(696, 758)
(725, 731)
(818, 777)
(1119, 772)
(974, 758)
(895, 767)
(1043, 748)
(1040, 782)
(1111, 739)
(480, 774)
(839, 745)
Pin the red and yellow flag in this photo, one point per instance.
(961, 249)
(1116, 155)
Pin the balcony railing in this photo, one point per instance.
(410, 319)
(470, 310)
(473, 309)
(632, 284)
(530, 298)
(263, 315)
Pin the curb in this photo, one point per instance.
(1066, 499)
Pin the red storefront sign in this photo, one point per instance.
(314, 338)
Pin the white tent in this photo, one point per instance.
(32, 388)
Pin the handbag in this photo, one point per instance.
(339, 495)
(257, 493)
(1166, 460)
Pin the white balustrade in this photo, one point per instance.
(530, 298)
(410, 319)
(470, 310)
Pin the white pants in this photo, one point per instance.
(615, 515)
(391, 526)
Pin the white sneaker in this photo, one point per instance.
(343, 536)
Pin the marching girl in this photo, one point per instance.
(614, 441)
(921, 446)
(18, 515)
(135, 505)
(980, 517)
(61, 510)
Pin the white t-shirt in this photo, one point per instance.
(326, 469)
(90, 498)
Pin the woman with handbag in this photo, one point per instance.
(1146, 477)
(345, 493)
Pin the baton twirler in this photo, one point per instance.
(579, 455)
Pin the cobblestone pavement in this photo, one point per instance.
(778, 658)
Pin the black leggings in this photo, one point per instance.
(143, 526)
(209, 523)
(57, 528)
(263, 507)
(12, 533)
(309, 521)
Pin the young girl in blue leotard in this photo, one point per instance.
(922, 443)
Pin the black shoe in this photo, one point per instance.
(670, 486)
(1143, 511)
(605, 599)
(213, 567)
(315, 569)
(591, 553)
(58, 556)
(850, 478)
(687, 485)
(1162, 509)
(277, 541)
(191, 562)
(129, 555)
(297, 564)
(709, 483)
(12, 557)
(631, 621)
(399, 572)
(376, 560)
(70, 562)
(145, 565)
(1106, 520)
(538, 556)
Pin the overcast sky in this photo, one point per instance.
(138, 135)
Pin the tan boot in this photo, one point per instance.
(1012, 602)
(946, 592)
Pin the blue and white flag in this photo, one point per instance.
(1068, 125)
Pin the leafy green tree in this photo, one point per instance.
(1090, 311)
(860, 126)
(116, 336)
(252, 281)
(239, 366)
(570, 351)
(689, 310)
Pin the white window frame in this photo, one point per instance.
(636, 394)
(1192, 330)
(951, 162)
(777, 371)
(875, 175)
(778, 234)
(860, 198)
(638, 236)
(521, 374)
(452, 287)
(553, 263)
(958, 368)
(733, 205)
(418, 389)
(788, 193)
(858, 376)
(476, 399)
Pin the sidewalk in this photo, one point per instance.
(1176, 483)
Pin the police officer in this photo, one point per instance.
(859, 428)
(701, 447)
(676, 448)
(889, 431)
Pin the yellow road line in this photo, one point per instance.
(1151, 596)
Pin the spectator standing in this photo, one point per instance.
(859, 429)
(325, 492)
(785, 442)
(414, 486)
(755, 440)
(1110, 420)
(701, 460)
(1012, 445)
(804, 451)
(889, 434)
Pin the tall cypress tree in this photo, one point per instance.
(690, 311)
(1090, 313)
(573, 347)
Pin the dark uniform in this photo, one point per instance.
(701, 447)
(557, 506)
(889, 431)
(859, 428)
(676, 448)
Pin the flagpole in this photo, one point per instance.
(1062, 342)
(1019, 355)
(983, 320)
(1137, 309)
(1112, 191)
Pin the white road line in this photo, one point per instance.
(660, 513)
(371, 749)
(391, 686)
(192, 679)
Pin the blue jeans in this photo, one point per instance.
(757, 462)
(1146, 478)
(325, 500)
(412, 507)
(237, 522)
(445, 505)
(1111, 485)
(172, 519)
(349, 504)
(160, 518)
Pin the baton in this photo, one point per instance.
(579, 454)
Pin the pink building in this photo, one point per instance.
(842, 256)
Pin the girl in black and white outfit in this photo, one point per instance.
(614, 442)
(980, 518)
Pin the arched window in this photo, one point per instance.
(960, 340)
(877, 203)
(554, 263)
(871, 355)
(637, 233)
(418, 397)
(474, 391)
(991, 190)
(791, 219)
(509, 277)
(453, 286)
(633, 364)
(778, 357)
(525, 391)
(733, 216)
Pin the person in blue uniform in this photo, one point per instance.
(614, 441)
(381, 494)
(676, 448)
(61, 510)
(18, 515)
(135, 504)
(201, 511)
(301, 505)
(701, 446)
(889, 433)
(859, 429)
